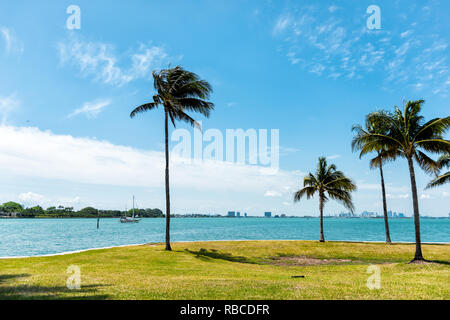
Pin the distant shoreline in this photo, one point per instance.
(223, 217)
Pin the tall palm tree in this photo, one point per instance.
(178, 91)
(443, 162)
(409, 136)
(357, 144)
(327, 182)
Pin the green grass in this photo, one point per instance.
(232, 270)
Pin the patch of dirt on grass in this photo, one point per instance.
(305, 261)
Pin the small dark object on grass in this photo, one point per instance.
(295, 277)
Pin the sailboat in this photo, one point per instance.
(132, 219)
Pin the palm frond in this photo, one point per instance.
(426, 163)
(439, 181)
(306, 191)
(342, 196)
(143, 108)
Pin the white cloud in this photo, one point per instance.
(281, 24)
(98, 60)
(272, 193)
(31, 198)
(424, 196)
(333, 8)
(32, 153)
(334, 156)
(323, 44)
(12, 44)
(146, 59)
(7, 105)
(91, 109)
(397, 196)
(405, 34)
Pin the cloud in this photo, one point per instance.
(424, 196)
(91, 109)
(397, 196)
(146, 59)
(333, 8)
(281, 24)
(406, 33)
(334, 156)
(33, 199)
(99, 60)
(272, 193)
(7, 105)
(12, 44)
(323, 44)
(32, 153)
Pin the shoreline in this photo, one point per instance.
(245, 240)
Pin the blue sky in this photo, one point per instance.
(309, 69)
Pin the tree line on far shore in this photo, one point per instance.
(14, 209)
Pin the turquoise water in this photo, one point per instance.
(31, 237)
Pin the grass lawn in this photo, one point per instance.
(233, 270)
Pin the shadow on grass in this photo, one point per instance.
(36, 292)
(206, 255)
(447, 263)
(6, 277)
(430, 262)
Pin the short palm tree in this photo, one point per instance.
(358, 144)
(178, 91)
(328, 183)
(409, 136)
(443, 162)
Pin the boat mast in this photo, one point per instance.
(133, 207)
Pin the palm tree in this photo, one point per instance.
(358, 144)
(327, 182)
(178, 91)
(410, 137)
(444, 161)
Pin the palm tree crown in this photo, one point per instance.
(328, 182)
(179, 90)
(407, 136)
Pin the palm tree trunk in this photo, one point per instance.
(321, 203)
(418, 256)
(383, 191)
(167, 183)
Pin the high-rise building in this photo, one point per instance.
(238, 214)
(268, 214)
(231, 214)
